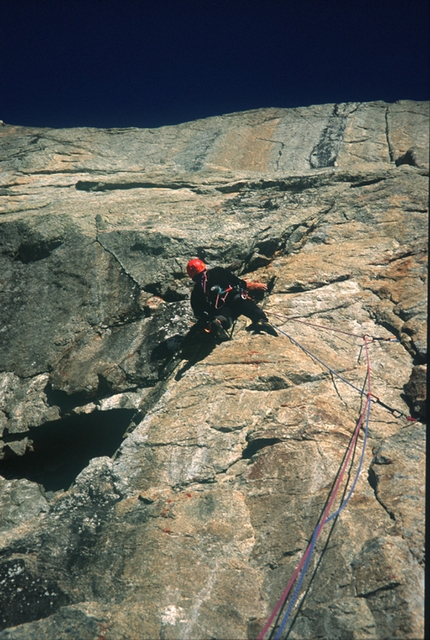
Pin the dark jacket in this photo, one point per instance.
(207, 300)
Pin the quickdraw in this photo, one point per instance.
(395, 412)
(221, 295)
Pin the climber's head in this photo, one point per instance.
(194, 267)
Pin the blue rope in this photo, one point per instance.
(298, 587)
(360, 464)
(314, 536)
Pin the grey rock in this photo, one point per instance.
(21, 500)
(156, 485)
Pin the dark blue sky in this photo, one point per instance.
(147, 63)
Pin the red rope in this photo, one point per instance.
(324, 517)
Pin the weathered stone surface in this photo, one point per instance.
(193, 526)
(21, 500)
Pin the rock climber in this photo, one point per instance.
(220, 297)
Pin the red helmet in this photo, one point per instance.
(195, 266)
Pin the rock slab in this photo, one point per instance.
(153, 485)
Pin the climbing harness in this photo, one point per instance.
(221, 294)
(364, 417)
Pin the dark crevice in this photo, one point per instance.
(12, 437)
(268, 247)
(63, 448)
(118, 261)
(415, 394)
(407, 158)
(402, 255)
(365, 183)
(296, 184)
(232, 188)
(325, 152)
(68, 402)
(380, 321)
(373, 481)
(299, 288)
(387, 587)
(258, 444)
(387, 136)
(83, 185)
(269, 205)
(168, 295)
(280, 152)
(37, 250)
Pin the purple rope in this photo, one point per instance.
(315, 534)
(304, 563)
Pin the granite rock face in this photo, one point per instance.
(154, 484)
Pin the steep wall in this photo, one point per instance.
(155, 485)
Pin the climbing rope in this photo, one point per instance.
(320, 326)
(364, 417)
(395, 412)
(304, 563)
